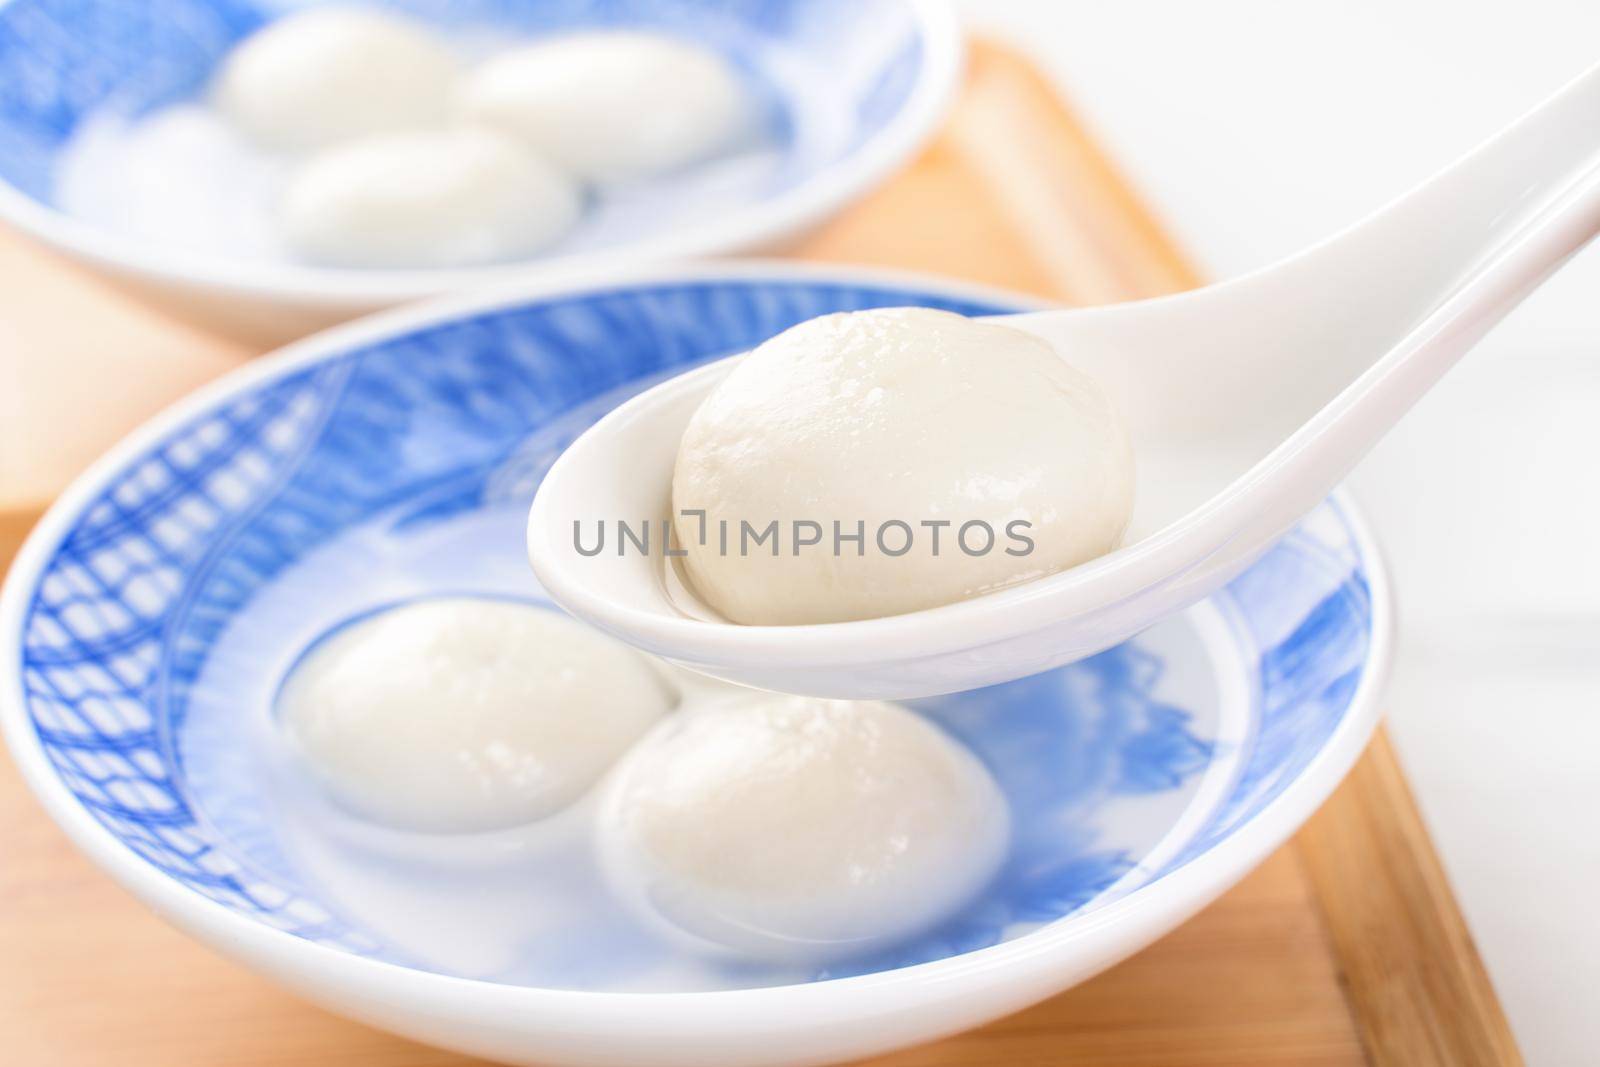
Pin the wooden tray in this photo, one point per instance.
(1344, 947)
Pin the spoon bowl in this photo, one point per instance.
(1247, 402)
(622, 469)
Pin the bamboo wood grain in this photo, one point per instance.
(1345, 947)
(1413, 974)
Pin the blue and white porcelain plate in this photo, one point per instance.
(153, 613)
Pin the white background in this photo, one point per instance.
(1256, 127)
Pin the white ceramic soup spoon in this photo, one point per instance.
(1248, 402)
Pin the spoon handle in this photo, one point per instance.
(1257, 356)
(1528, 251)
(1463, 250)
(1430, 243)
(1278, 382)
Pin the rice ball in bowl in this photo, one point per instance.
(613, 106)
(461, 714)
(800, 829)
(325, 74)
(430, 198)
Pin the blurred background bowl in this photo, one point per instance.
(891, 65)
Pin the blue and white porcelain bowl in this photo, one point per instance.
(152, 614)
(852, 88)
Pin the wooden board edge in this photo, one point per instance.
(1410, 969)
(1096, 237)
(15, 525)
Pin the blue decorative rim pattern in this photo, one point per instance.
(130, 599)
